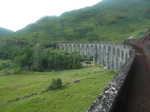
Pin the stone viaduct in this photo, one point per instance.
(129, 91)
(110, 55)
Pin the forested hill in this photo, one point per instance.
(4, 32)
(109, 20)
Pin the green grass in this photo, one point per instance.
(75, 97)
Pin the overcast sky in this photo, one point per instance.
(15, 14)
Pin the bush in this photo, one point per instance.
(8, 67)
(55, 84)
(24, 59)
(6, 64)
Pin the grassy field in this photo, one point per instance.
(76, 97)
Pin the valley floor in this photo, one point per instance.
(75, 97)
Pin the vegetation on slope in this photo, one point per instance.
(114, 20)
(18, 54)
(109, 20)
(75, 97)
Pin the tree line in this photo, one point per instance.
(17, 55)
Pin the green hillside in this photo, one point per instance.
(5, 32)
(74, 97)
(109, 20)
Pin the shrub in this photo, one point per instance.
(55, 84)
(8, 67)
(25, 58)
(6, 64)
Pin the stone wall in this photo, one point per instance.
(113, 99)
(110, 55)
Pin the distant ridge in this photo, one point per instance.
(5, 32)
(109, 20)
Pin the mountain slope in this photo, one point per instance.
(4, 32)
(106, 21)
